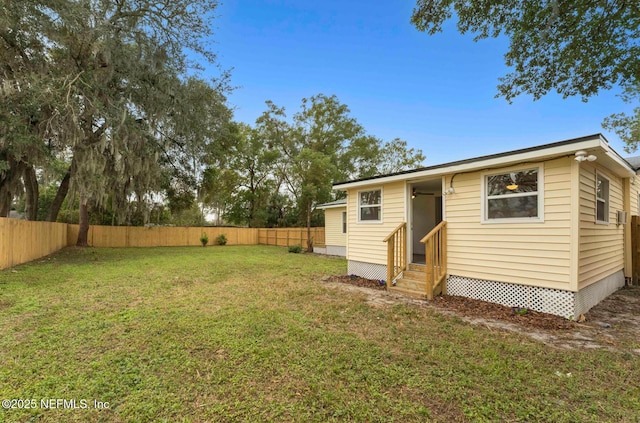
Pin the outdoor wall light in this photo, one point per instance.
(581, 156)
(450, 190)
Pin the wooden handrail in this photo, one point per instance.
(396, 252)
(433, 231)
(400, 226)
(436, 258)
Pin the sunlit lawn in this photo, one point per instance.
(253, 334)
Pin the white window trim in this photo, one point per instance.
(371, 222)
(607, 201)
(483, 195)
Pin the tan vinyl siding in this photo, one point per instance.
(529, 253)
(365, 239)
(601, 245)
(333, 227)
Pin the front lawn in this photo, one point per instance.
(253, 334)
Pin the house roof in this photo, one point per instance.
(333, 204)
(634, 162)
(595, 144)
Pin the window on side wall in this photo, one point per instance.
(602, 199)
(344, 222)
(370, 206)
(515, 195)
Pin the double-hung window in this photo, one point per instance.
(602, 199)
(370, 206)
(344, 222)
(515, 195)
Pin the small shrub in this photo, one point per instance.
(520, 310)
(221, 239)
(296, 249)
(204, 239)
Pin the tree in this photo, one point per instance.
(576, 48)
(253, 161)
(396, 156)
(324, 144)
(26, 103)
(627, 127)
(118, 101)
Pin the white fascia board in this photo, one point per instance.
(480, 164)
(625, 171)
(334, 206)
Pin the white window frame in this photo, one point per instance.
(344, 222)
(606, 201)
(484, 198)
(360, 206)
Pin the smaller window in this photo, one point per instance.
(344, 222)
(602, 199)
(370, 206)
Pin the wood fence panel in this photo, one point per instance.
(286, 237)
(174, 237)
(319, 236)
(143, 236)
(5, 243)
(108, 236)
(72, 234)
(22, 241)
(262, 236)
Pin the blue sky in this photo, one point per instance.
(435, 92)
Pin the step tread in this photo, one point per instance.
(411, 287)
(408, 292)
(410, 282)
(414, 275)
(417, 267)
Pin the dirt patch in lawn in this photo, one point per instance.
(613, 324)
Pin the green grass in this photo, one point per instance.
(252, 334)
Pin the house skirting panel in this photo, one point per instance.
(596, 292)
(336, 250)
(563, 303)
(320, 250)
(546, 300)
(331, 250)
(367, 270)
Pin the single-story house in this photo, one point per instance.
(544, 228)
(335, 228)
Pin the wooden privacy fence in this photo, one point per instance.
(635, 249)
(161, 236)
(22, 241)
(286, 237)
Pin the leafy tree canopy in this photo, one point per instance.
(576, 48)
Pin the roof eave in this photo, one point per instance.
(500, 160)
(333, 206)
